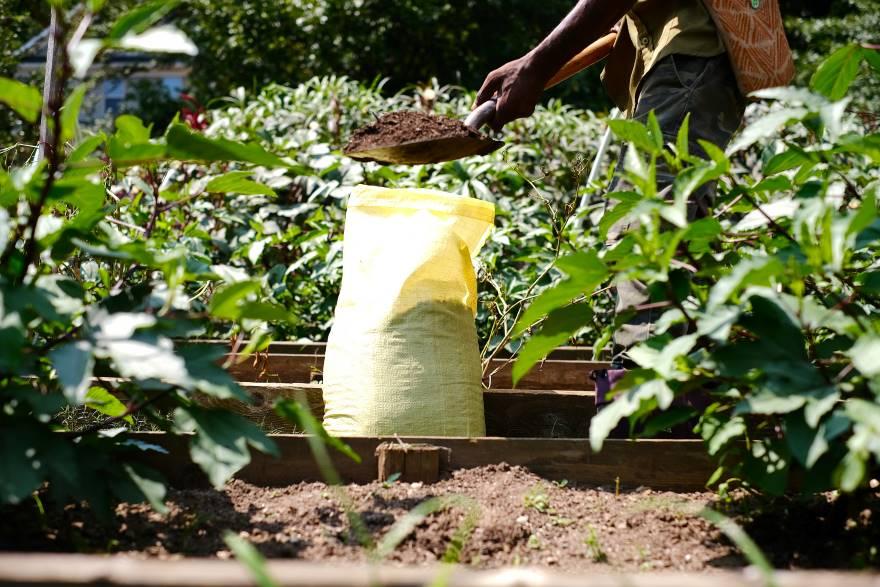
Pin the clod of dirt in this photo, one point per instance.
(406, 126)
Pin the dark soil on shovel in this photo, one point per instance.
(516, 518)
(406, 126)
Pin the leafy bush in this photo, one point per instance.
(88, 315)
(770, 303)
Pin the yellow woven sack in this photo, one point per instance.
(402, 356)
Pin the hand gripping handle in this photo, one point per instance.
(482, 115)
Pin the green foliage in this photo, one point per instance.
(407, 41)
(81, 302)
(770, 305)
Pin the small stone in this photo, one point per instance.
(522, 520)
(224, 554)
(874, 483)
(417, 485)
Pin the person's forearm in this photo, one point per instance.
(587, 21)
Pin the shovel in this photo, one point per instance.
(440, 149)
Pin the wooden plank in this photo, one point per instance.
(678, 465)
(510, 413)
(298, 368)
(73, 570)
(564, 353)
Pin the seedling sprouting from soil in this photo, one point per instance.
(538, 500)
(595, 547)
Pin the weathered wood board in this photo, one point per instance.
(680, 465)
(73, 570)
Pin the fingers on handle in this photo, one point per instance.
(489, 88)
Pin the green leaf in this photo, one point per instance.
(767, 465)
(23, 99)
(718, 432)
(294, 411)
(86, 148)
(131, 130)
(636, 133)
(101, 400)
(73, 363)
(788, 159)
(636, 388)
(765, 127)
(836, 74)
(744, 543)
(185, 144)
(682, 141)
(585, 272)
(140, 19)
(265, 312)
(22, 469)
(561, 324)
(237, 182)
(227, 302)
(251, 558)
(160, 39)
(865, 355)
(148, 483)
(851, 472)
(220, 444)
(70, 113)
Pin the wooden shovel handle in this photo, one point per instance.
(589, 56)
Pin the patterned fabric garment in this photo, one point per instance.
(749, 31)
(755, 39)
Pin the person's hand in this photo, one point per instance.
(517, 89)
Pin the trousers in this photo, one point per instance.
(678, 85)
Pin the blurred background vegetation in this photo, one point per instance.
(253, 43)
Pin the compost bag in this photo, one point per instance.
(402, 356)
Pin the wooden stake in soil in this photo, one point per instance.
(412, 462)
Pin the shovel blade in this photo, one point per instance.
(428, 151)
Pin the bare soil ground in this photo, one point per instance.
(521, 519)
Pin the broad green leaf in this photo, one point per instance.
(149, 484)
(86, 148)
(184, 144)
(836, 74)
(160, 39)
(851, 472)
(140, 19)
(682, 141)
(131, 130)
(73, 363)
(265, 311)
(585, 272)
(865, 355)
(788, 159)
(101, 400)
(765, 127)
(236, 182)
(756, 271)
(23, 99)
(561, 325)
(294, 412)
(22, 468)
(70, 113)
(635, 388)
(221, 441)
(636, 133)
(662, 356)
(82, 56)
(718, 432)
(227, 302)
(767, 465)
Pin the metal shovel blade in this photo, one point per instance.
(435, 150)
